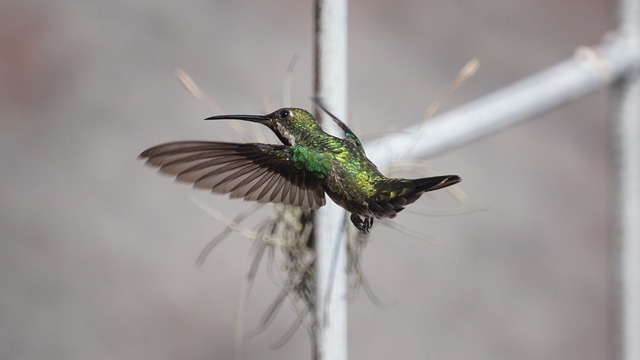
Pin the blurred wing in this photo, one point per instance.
(258, 172)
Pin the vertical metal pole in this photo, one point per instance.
(628, 193)
(331, 86)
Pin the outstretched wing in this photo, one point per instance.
(258, 172)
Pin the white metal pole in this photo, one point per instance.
(331, 86)
(591, 68)
(627, 140)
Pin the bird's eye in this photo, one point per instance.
(284, 114)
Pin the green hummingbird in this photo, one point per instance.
(308, 164)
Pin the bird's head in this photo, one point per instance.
(289, 124)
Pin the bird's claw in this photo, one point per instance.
(362, 224)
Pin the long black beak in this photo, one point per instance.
(252, 118)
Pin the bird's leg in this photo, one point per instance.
(360, 223)
(368, 224)
(357, 221)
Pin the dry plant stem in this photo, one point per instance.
(187, 81)
(464, 74)
(257, 250)
(286, 91)
(194, 90)
(406, 231)
(230, 226)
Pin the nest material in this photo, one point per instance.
(290, 238)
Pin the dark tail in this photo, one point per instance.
(395, 194)
(435, 183)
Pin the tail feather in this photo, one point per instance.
(435, 182)
(395, 194)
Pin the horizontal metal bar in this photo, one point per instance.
(590, 69)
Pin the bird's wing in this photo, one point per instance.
(348, 134)
(259, 172)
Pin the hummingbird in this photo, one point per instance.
(308, 164)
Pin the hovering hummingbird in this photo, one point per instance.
(308, 164)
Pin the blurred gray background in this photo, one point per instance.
(97, 251)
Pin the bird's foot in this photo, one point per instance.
(362, 223)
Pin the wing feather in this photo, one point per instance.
(257, 172)
(253, 192)
(275, 194)
(269, 191)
